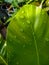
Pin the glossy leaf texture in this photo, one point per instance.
(28, 37)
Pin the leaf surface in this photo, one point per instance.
(28, 37)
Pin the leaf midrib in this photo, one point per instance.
(36, 47)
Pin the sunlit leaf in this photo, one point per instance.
(28, 37)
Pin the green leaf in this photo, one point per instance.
(28, 37)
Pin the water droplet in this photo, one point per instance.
(17, 63)
(24, 46)
(18, 41)
(24, 53)
(23, 23)
(22, 16)
(24, 37)
(10, 40)
(47, 39)
(14, 36)
(33, 33)
(22, 12)
(30, 43)
(21, 30)
(28, 21)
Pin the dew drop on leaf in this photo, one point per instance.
(47, 39)
(17, 63)
(23, 37)
(22, 17)
(30, 43)
(24, 53)
(23, 23)
(15, 37)
(22, 12)
(21, 30)
(28, 21)
(10, 40)
(33, 33)
(24, 46)
(18, 41)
